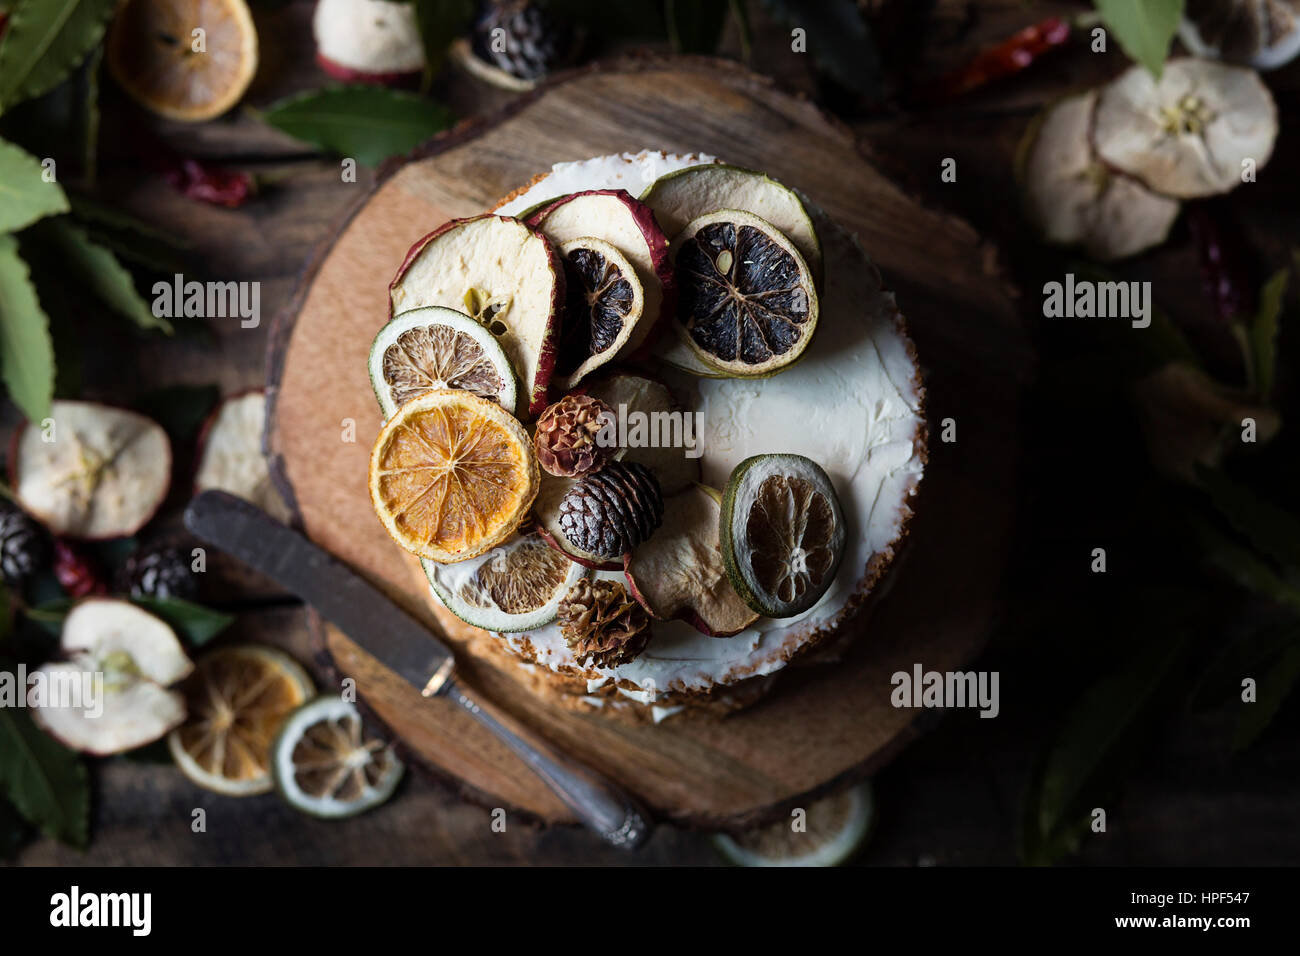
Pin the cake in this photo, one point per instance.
(834, 423)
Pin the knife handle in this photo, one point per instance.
(599, 804)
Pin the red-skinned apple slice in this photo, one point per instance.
(501, 273)
(679, 572)
(111, 694)
(368, 41)
(629, 226)
(91, 471)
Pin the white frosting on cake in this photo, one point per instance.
(852, 404)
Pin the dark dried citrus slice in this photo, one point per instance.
(604, 301)
(433, 348)
(514, 587)
(746, 302)
(782, 533)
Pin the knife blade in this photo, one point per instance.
(400, 642)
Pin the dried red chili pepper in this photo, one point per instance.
(1007, 58)
(77, 572)
(220, 187)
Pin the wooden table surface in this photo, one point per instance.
(952, 798)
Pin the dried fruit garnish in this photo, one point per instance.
(603, 625)
(746, 301)
(566, 437)
(210, 184)
(603, 304)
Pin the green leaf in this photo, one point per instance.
(45, 781)
(45, 41)
(128, 237)
(1243, 566)
(695, 26)
(441, 22)
(367, 123)
(100, 271)
(14, 831)
(1271, 690)
(25, 196)
(1098, 733)
(838, 38)
(49, 615)
(180, 409)
(194, 622)
(1268, 527)
(26, 352)
(740, 10)
(1144, 28)
(1263, 331)
(90, 116)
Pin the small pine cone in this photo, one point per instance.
(24, 545)
(531, 43)
(609, 513)
(165, 573)
(603, 624)
(566, 437)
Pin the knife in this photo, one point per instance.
(407, 648)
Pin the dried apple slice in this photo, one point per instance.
(629, 226)
(91, 470)
(111, 695)
(679, 572)
(1190, 133)
(647, 411)
(230, 453)
(1071, 195)
(368, 41)
(687, 194)
(604, 303)
(503, 275)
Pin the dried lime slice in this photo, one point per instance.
(432, 348)
(604, 301)
(514, 587)
(782, 533)
(832, 831)
(325, 765)
(746, 303)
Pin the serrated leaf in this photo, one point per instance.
(1269, 528)
(1263, 331)
(1096, 735)
(45, 781)
(128, 237)
(366, 123)
(46, 40)
(26, 351)
(838, 38)
(194, 622)
(25, 196)
(1144, 28)
(100, 271)
(695, 26)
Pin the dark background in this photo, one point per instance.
(955, 797)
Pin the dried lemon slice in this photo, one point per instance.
(604, 302)
(452, 475)
(435, 348)
(782, 533)
(188, 60)
(746, 303)
(238, 698)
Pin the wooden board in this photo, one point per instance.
(823, 725)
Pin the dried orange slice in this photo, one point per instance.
(238, 698)
(452, 475)
(188, 60)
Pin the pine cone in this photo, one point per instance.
(24, 546)
(603, 624)
(565, 440)
(532, 41)
(165, 573)
(609, 513)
